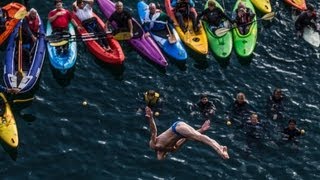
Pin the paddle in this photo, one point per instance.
(222, 31)
(61, 39)
(172, 39)
(20, 14)
(19, 73)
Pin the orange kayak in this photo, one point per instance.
(299, 4)
(11, 8)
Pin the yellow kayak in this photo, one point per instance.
(262, 5)
(197, 41)
(8, 127)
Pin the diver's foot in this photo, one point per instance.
(223, 152)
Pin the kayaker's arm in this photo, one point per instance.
(130, 25)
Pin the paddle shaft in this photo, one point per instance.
(20, 51)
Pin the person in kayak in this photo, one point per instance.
(275, 107)
(242, 18)
(182, 9)
(60, 19)
(174, 137)
(291, 132)
(155, 19)
(122, 18)
(30, 32)
(307, 18)
(240, 108)
(206, 107)
(213, 16)
(3, 19)
(89, 22)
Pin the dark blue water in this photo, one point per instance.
(108, 138)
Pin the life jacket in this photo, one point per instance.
(2, 21)
(152, 18)
(33, 24)
(152, 101)
(245, 18)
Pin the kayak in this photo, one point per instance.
(174, 50)
(116, 56)
(262, 5)
(32, 61)
(8, 127)
(11, 8)
(197, 41)
(299, 4)
(62, 61)
(144, 45)
(220, 46)
(244, 44)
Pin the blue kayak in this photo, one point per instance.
(175, 50)
(31, 62)
(66, 60)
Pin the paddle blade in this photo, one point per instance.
(20, 14)
(268, 16)
(121, 36)
(221, 31)
(19, 75)
(60, 43)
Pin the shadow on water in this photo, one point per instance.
(63, 79)
(223, 62)
(201, 61)
(181, 64)
(245, 61)
(115, 69)
(12, 152)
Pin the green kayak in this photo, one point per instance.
(245, 44)
(220, 46)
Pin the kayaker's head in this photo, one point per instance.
(119, 6)
(277, 94)
(33, 13)
(254, 119)
(204, 98)
(241, 98)
(292, 124)
(58, 4)
(241, 7)
(80, 4)
(310, 10)
(211, 4)
(152, 8)
(151, 94)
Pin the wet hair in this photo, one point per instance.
(292, 121)
(277, 90)
(211, 3)
(241, 94)
(57, 1)
(119, 3)
(79, 2)
(151, 92)
(310, 7)
(33, 10)
(203, 96)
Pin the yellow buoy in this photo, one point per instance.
(156, 113)
(228, 123)
(84, 103)
(302, 131)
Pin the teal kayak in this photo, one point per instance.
(220, 46)
(244, 44)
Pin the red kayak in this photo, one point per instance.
(115, 56)
(12, 9)
(299, 4)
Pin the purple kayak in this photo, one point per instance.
(145, 45)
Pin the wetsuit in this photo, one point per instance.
(150, 25)
(275, 107)
(213, 17)
(254, 130)
(206, 108)
(182, 9)
(242, 21)
(305, 20)
(292, 134)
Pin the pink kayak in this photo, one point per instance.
(145, 45)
